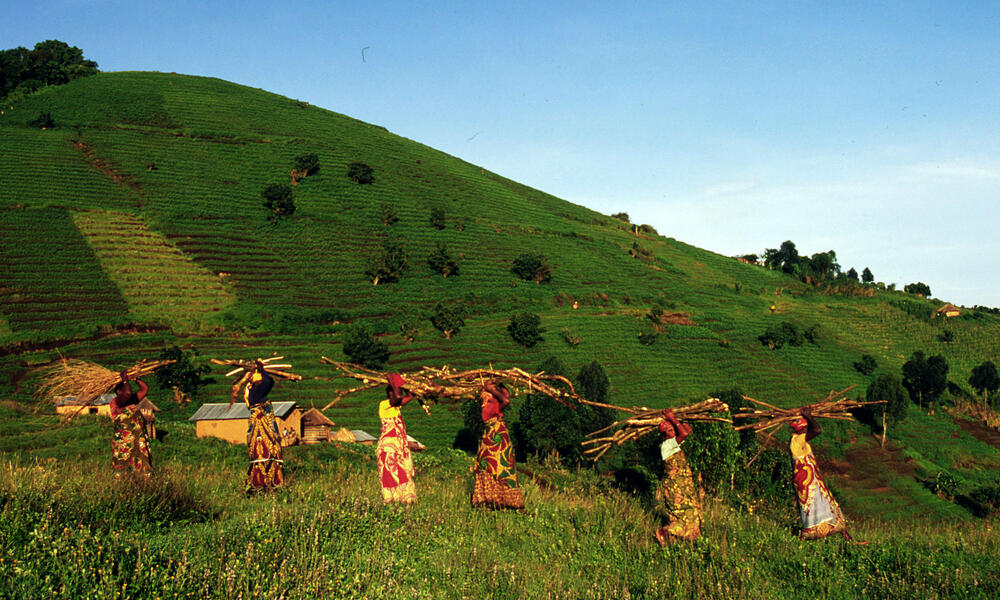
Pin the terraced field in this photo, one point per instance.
(143, 209)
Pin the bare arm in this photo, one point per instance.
(143, 388)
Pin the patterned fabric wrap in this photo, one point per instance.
(820, 513)
(495, 485)
(263, 449)
(395, 465)
(680, 498)
(129, 446)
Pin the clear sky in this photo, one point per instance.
(872, 129)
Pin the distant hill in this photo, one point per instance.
(136, 222)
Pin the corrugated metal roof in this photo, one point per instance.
(362, 436)
(222, 412)
(71, 400)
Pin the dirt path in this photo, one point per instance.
(982, 432)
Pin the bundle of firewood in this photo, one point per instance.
(245, 368)
(645, 420)
(86, 381)
(435, 382)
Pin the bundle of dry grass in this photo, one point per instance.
(245, 368)
(645, 420)
(770, 419)
(86, 381)
(434, 382)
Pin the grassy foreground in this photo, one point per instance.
(68, 529)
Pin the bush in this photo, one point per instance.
(546, 427)
(467, 438)
(447, 319)
(43, 121)
(437, 219)
(780, 334)
(532, 267)
(388, 214)
(361, 347)
(622, 216)
(570, 336)
(408, 329)
(389, 265)
(648, 229)
(867, 364)
(919, 288)
(648, 334)
(278, 199)
(182, 374)
(360, 173)
(441, 262)
(526, 329)
(307, 163)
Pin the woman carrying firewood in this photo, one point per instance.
(820, 513)
(495, 485)
(678, 490)
(395, 466)
(129, 447)
(263, 439)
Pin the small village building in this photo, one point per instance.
(358, 436)
(948, 310)
(68, 405)
(315, 427)
(230, 424)
(147, 408)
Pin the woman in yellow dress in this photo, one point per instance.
(263, 440)
(395, 465)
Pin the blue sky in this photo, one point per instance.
(872, 129)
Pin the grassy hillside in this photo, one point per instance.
(136, 223)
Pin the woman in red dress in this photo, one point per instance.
(395, 465)
(129, 446)
(495, 485)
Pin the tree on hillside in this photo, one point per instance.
(437, 219)
(623, 216)
(441, 262)
(308, 164)
(182, 376)
(866, 276)
(532, 267)
(278, 199)
(526, 329)
(889, 388)
(361, 347)
(918, 288)
(867, 364)
(785, 258)
(985, 380)
(780, 334)
(388, 214)
(851, 274)
(824, 264)
(546, 427)
(592, 383)
(51, 62)
(361, 173)
(925, 378)
(388, 265)
(447, 319)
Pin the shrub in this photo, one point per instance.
(278, 199)
(570, 337)
(388, 265)
(526, 329)
(360, 173)
(778, 335)
(867, 364)
(545, 427)
(622, 216)
(361, 347)
(307, 163)
(532, 267)
(447, 319)
(408, 329)
(441, 262)
(43, 121)
(182, 374)
(811, 334)
(388, 214)
(648, 334)
(919, 288)
(946, 336)
(437, 219)
(467, 438)
(648, 229)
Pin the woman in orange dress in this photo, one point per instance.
(129, 446)
(395, 465)
(678, 490)
(495, 485)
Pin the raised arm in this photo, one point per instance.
(143, 388)
(813, 425)
(681, 429)
(500, 392)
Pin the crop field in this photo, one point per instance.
(137, 224)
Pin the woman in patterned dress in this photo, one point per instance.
(495, 485)
(129, 446)
(678, 490)
(395, 465)
(266, 469)
(820, 513)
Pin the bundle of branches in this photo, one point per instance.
(243, 369)
(770, 419)
(645, 420)
(86, 380)
(434, 382)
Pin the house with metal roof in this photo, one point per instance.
(69, 405)
(230, 423)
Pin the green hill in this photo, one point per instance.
(137, 223)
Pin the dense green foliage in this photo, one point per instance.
(51, 62)
(440, 261)
(525, 328)
(361, 347)
(532, 267)
(984, 379)
(925, 378)
(183, 374)
(278, 199)
(447, 319)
